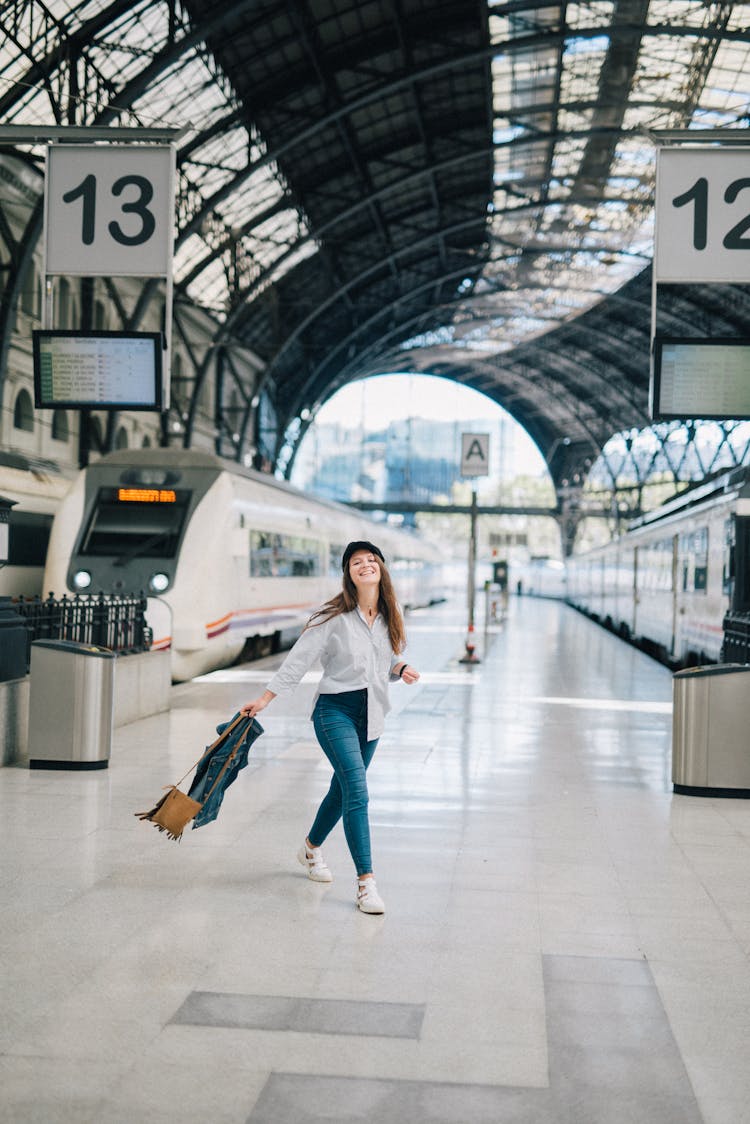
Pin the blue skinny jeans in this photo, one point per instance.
(340, 723)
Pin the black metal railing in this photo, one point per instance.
(736, 645)
(110, 621)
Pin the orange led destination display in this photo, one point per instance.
(146, 495)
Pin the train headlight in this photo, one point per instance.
(157, 583)
(81, 579)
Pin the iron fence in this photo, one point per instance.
(113, 621)
(736, 646)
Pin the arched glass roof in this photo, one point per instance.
(462, 188)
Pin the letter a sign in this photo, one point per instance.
(475, 454)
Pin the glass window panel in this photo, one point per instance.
(275, 555)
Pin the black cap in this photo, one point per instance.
(353, 547)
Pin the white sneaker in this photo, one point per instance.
(313, 861)
(368, 898)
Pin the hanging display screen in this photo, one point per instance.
(98, 370)
(700, 378)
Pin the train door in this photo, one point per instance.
(628, 592)
(738, 572)
(635, 614)
(676, 586)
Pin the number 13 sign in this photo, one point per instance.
(702, 215)
(109, 210)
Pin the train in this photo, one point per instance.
(671, 580)
(232, 561)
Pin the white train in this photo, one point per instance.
(230, 559)
(668, 583)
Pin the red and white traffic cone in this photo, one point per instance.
(470, 645)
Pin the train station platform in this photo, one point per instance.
(565, 942)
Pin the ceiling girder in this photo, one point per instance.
(397, 217)
(424, 74)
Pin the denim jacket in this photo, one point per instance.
(208, 769)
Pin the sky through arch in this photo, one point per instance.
(372, 404)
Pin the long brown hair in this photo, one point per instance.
(346, 602)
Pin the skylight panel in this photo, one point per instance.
(575, 120)
(123, 48)
(589, 14)
(567, 158)
(724, 99)
(211, 288)
(192, 250)
(254, 197)
(300, 253)
(228, 149)
(185, 94)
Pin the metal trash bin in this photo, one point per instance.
(71, 705)
(14, 641)
(711, 731)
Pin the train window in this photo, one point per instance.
(693, 560)
(144, 526)
(654, 570)
(29, 535)
(335, 554)
(283, 556)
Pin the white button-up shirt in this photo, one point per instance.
(353, 655)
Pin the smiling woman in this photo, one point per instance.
(358, 637)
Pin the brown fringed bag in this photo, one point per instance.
(173, 813)
(175, 810)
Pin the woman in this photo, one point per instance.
(358, 637)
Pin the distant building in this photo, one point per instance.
(413, 458)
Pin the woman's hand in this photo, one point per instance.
(409, 674)
(252, 708)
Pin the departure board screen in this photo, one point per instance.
(98, 370)
(700, 378)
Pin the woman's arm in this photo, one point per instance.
(252, 708)
(304, 653)
(405, 672)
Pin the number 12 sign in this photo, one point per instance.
(109, 210)
(702, 215)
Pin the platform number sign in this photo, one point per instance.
(109, 210)
(702, 215)
(475, 454)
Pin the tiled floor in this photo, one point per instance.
(565, 941)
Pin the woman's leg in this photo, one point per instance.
(343, 740)
(329, 812)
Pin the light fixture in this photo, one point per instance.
(158, 582)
